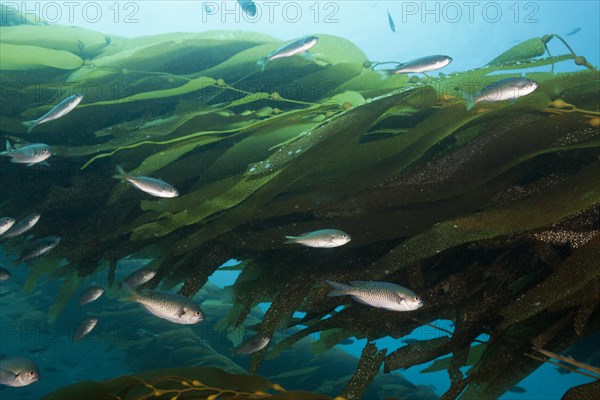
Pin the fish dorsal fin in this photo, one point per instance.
(357, 283)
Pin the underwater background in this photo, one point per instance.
(490, 214)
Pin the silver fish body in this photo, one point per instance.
(388, 296)
(18, 372)
(22, 226)
(85, 328)
(139, 277)
(153, 186)
(172, 307)
(39, 247)
(420, 65)
(323, 238)
(391, 22)
(91, 294)
(61, 109)
(29, 154)
(298, 46)
(504, 89)
(4, 274)
(6, 223)
(252, 345)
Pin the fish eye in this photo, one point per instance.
(31, 373)
(344, 236)
(417, 298)
(198, 313)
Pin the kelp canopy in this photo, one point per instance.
(490, 215)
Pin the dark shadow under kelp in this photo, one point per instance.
(491, 215)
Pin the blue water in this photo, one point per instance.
(472, 34)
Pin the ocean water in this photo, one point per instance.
(473, 194)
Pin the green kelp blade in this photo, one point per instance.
(199, 383)
(327, 138)
(250, 99)
(192, 86)
(350, 97)
(20, 57)
(12, 15)
(249, 184)
(574, 273)
(70, 39)
(173, 53)
(65, 293)
(328, 339)
(523, 51)
(566, 198)
(204, 209)
(242, 66)
(475, 354)
(417, 353)
(371, 84)
(355, 120)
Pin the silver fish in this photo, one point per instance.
(18, 372)
(152, 186)
(86, 327)
(139, 277)
(39, 247)
(391, 22)
(252, 345)
(170, 306)
(504, 89)
(384, 295)
(419, 65)
(298, 46)
(324, 238)
(61, 109)
(248, 7)
(133, 263)
(29, 154)
(91, 294)
(6, 223)
(4, 274)
(22, 226)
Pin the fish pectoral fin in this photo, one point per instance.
(307, 56)
(7, 376)
(400, 297)
(181, 312)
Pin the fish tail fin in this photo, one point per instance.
(9, 148)
(308, 56)
(29, 125)
(470, 99)
(132, 295)
(262, 63)
(384, 73)
(16, 261)
(6, 376)
(121, 173)
(291, 239)
(339, 289)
